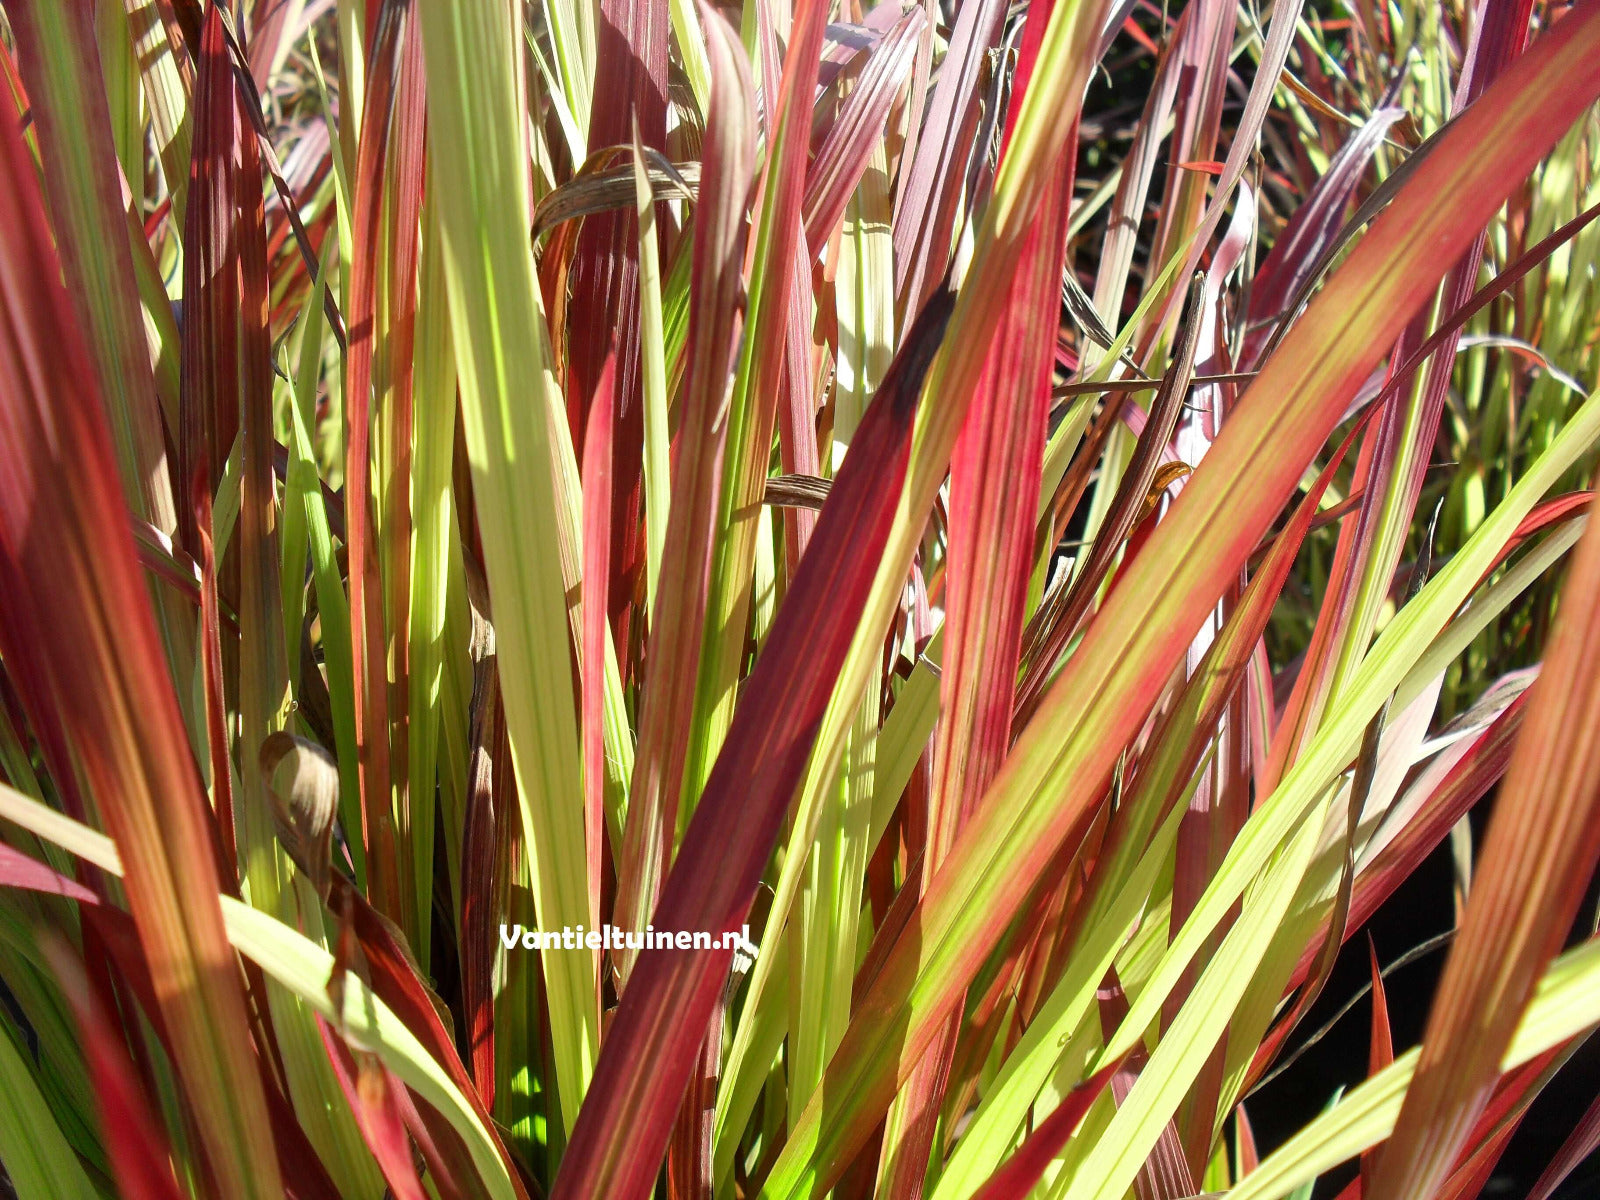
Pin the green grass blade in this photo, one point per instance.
(480, 154)
(652, 342)
(433, 533)
(36, 1157)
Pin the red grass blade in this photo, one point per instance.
(715, 324)
(1580, 1144)
(925, 210)
(1313, 225)
(1512, 1096)
(407, 154)
(1550, 512)
(78, 622)
(135, 1146)
(368, 639)
(71, 120)
(263, 677)
(369, 1090)
(597, 478)
(843, 155)
(1381, 1053)
(1140, 634)
(394, 979)
(19, 870)
(484, 869)
(1016, 1178)
(654, 1040)
(208, 421)
(602, 315)
(995, 473)
(690, 1169)
(112, 932)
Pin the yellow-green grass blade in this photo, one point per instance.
(343, 222)
(1111, 1165)
(478, 142)
(675, 317)
(1485, 606)
(864, 302)
(678, 621)
(905, 733)
(764, 1023)
(1158, 788)
(692, 49)
(73, 123)
(120, 70)
(454, 719)
(1028, 1068)
(54, 1043)
(1528, 882)
(652, 344)
(752, 403)
(1405, 638)
(552, 89)
(167, 73)
(822, 940)
(293, 540)
(302, 486)
(1136, 638)
(1564, 1005)
(351, 21)
(572, 37)
(617, 736)
(433, 530)
(156, 309)
(761, 1030)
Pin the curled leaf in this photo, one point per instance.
(303, 781)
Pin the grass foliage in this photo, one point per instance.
(1047, 515)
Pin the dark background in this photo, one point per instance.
(1422, 907)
